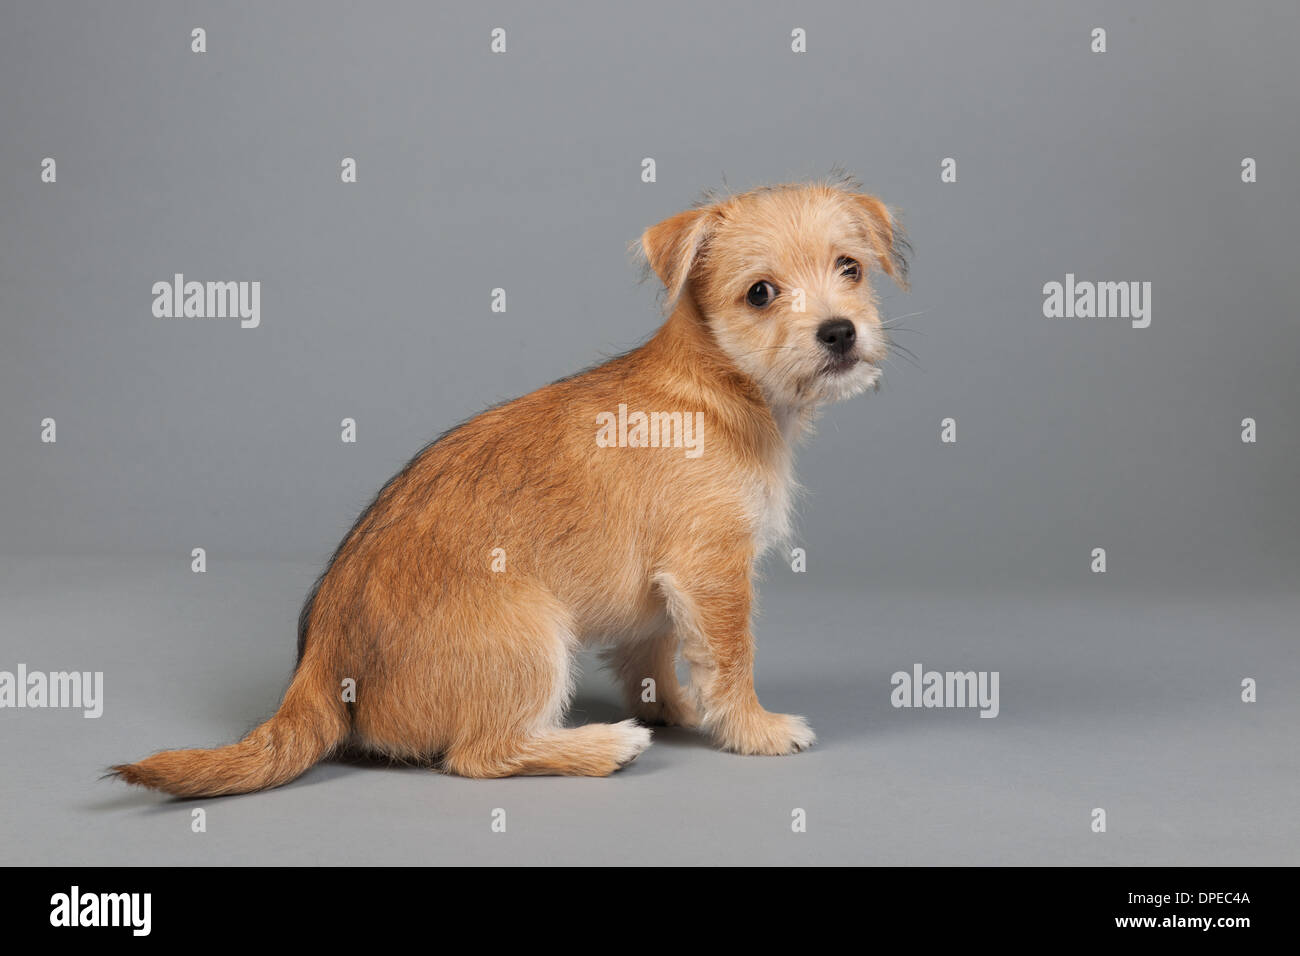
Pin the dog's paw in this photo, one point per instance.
(764, 733)
(633, 739)
(670, 712)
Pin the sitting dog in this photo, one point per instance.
(624, 506)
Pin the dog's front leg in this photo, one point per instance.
(647, 669)
(712, 616)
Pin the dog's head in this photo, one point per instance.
(782, 277)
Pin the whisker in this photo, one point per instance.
(910, 361)
(900, 318)
(903, 349)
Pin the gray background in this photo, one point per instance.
(522, 171)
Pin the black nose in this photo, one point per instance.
(838, 335)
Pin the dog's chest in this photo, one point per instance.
(774, 491)
(773, 509)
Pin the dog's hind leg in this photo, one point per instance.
(513, 693)
(593, 750)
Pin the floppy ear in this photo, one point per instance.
(886, 237)
(672, 247)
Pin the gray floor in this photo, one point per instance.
(1125, 701)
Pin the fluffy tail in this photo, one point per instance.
(311, 722)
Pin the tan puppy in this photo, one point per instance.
(626, 505)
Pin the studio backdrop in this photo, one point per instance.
(1080, 475)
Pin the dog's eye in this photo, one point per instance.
(760, 294)
(849, 268)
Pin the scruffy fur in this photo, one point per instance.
(645, 550)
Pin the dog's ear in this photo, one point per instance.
(886, 237)
(672, 247)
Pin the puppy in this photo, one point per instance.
(626, 505)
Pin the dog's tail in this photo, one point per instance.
(312, 721)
